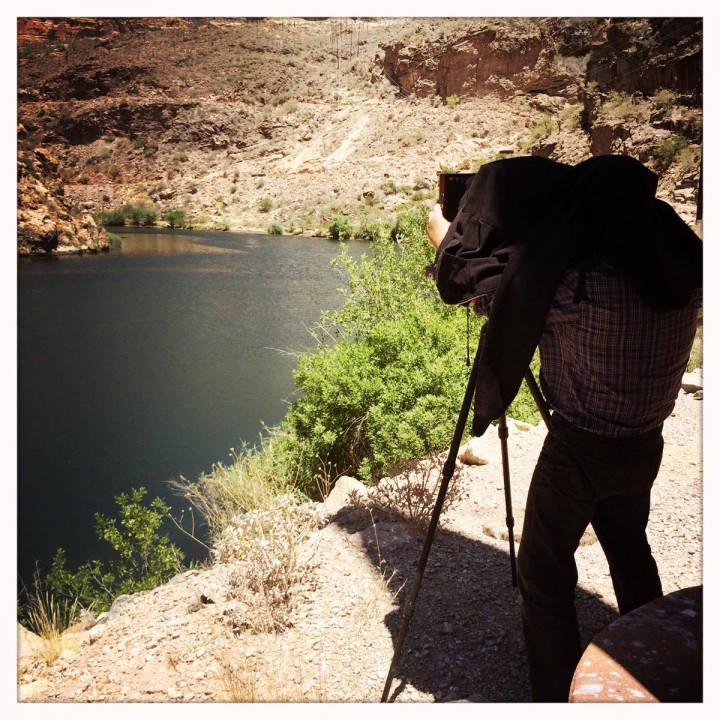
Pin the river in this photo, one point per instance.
(149, 362)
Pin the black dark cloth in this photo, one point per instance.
(524, 220)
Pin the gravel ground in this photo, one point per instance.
(175, 644)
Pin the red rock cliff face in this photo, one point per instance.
(38, 30)
(552, 56)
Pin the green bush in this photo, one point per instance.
(390, 386)
(175, 218)
(112, 218)
(541, 129)
(340, 228)
(143, 558)
(140, 216)
(371, 231)
(274, 229)
(666, 152)
(265, 204)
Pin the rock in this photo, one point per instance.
(28, 643)
(339, 497)
(480, 450)
(692, 382)
(45, 223)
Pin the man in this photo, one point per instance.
(614, 342)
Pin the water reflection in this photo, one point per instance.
(152, 361)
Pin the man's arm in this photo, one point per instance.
(437, 226)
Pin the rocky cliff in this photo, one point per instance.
(292, 121)
(45, 223)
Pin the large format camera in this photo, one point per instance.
(452, 187)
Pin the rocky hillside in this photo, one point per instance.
(244, 123)
(45, 222)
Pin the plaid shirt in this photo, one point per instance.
(610, 363)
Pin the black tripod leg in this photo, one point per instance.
(509, 519)
(448, 472)
(540, 401)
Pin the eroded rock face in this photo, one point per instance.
(551, 55)
(44, 222)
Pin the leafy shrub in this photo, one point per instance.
(274, 229)
(541, 129)
(371, 231)
(175, 218)
(115, 240)
(452, 101)
(140, 216)
(571, 116)
(112, 218)
(665, 153)
(390, 386)
(621, 106)
(265, 204)
(143, 557)
(340, 228)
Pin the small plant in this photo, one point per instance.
(571, 116)
(621, 106)
(274, 229)
(290, 106)
(340, 228)
(115, 240)
(410, 492)
(665, 153)
(664, 99)
(265, 204)
(541, 129)
(175, 218)
(143, 558)
(452, 101)
(49, 618)
(267, 542)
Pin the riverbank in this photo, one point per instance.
(176, 643)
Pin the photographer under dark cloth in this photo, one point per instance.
(611, 369)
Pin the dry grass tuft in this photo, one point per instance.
(50, 619)
(265, 544)
(411, 491)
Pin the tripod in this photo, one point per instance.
(447, 474)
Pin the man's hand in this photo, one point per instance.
(437, 226)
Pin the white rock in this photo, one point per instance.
(339, 496)
(692, 382)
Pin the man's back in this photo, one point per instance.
(612, 364)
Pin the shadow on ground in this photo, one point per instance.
(464, 640)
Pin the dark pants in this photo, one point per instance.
(607, 485)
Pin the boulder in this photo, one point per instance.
(339, 496)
